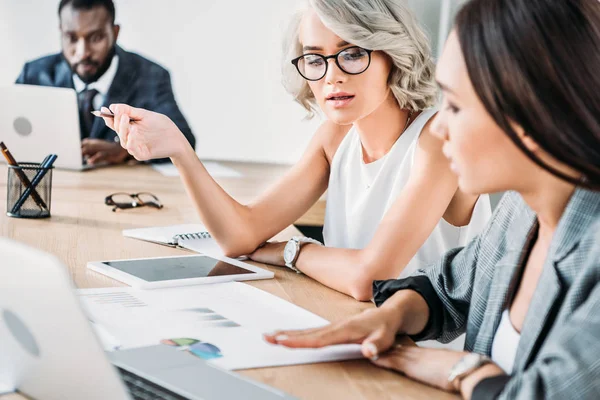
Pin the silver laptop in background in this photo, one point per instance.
(38, 120)
(48, 349)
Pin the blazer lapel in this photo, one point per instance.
(121, 89)
(581, 211)
(540, 314)
(506, 272)
(63, 76)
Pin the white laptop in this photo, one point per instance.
(48, 349)
(38, 120)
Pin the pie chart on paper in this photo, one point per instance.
(203, 350)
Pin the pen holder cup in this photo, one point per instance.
(23, 201)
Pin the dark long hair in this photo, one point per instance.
(537, 63)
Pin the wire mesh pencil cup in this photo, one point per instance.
(23, 200)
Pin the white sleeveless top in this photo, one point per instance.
(360, 194)
(506, 342)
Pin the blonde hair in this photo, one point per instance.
(382, 25)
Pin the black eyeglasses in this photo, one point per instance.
(124, 201)
(352, 60)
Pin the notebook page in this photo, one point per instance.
(164, 234)
(209, 247)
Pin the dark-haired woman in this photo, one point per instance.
(521, 113)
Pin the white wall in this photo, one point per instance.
(224, 58)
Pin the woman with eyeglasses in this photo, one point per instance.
(393, 204)
(520, 116)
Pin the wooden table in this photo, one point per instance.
(83, 229)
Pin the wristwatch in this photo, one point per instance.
(466, 365)
(292, 251)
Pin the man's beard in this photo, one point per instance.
(102, 68)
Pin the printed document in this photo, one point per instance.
(221, 323)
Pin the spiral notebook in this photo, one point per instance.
(193, 237)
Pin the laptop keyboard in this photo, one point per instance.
(143, 389)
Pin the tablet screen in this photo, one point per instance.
(173, 268)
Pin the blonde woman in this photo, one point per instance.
(393, 204)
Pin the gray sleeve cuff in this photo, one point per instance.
(383, 290)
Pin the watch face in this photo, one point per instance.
(289, 252)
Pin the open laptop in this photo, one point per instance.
(48, 349)
(38, 120)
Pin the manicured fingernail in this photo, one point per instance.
(281, 338)
(372, 350)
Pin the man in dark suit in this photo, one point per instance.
(102, 73)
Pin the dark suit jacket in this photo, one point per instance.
(138, 82)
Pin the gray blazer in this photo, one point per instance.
(558, 355)
(139, 82)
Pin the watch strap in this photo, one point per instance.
(461, 370)
(299, 241)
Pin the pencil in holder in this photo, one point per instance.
(29, 188)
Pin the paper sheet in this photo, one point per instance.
(222, 323)
(215, 170)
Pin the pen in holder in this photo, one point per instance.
(32, 200)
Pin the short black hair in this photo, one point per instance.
(89, 4)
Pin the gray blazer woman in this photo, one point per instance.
(559, 350)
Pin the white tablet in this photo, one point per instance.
(151, 273)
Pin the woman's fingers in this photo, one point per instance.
(110, 122)
(117, 121)
(387, 362)
(121, 112)
(124, 129)
(377, 342)
(369, 328)
(320, 337)
(277, 336)
(134, 113)
(146, 133)
(380, 341)
(393, 359)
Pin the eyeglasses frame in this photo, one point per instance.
(296, 60)
(108, 200)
